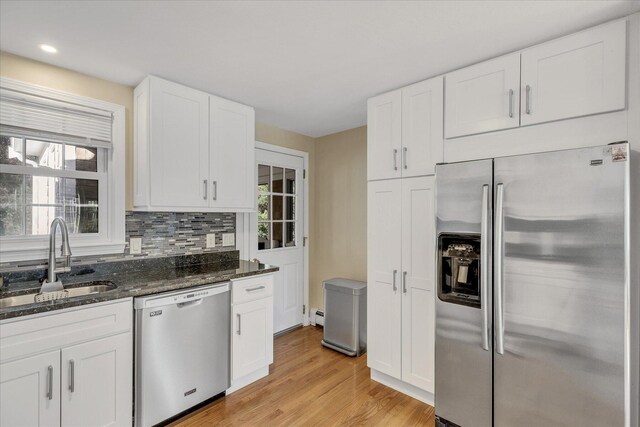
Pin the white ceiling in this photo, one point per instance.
(305, 66)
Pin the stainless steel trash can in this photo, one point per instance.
(345, 316)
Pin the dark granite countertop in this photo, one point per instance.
(132, 280)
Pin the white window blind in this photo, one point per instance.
(43, 117)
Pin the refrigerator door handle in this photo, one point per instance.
(484, 268)
(499, 313)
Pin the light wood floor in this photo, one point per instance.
(311, 385)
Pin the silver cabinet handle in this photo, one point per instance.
(404, 282)
(528, 99)
(50, 382)
(499, 315)
(239, 324)
(395, 288)
(510, 102)
(257, 288)
(395, 159)
(484, 266)
(72, 376)
(404, 156)
(204, 196)
(215, 190)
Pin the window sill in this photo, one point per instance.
(23, 250)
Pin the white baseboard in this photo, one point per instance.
(402, 387)
(314, 319)
(248, 379)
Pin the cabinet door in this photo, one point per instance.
(422, 108)
(483, 98)
(384, 297)
(97, 382)
(384, 136)
(252, 337)
(179, 149)
(30, 391)
(418, 282)
(577, 75)
(232, 155)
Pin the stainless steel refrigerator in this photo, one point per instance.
(532, 314)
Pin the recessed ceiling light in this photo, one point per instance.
(48, 48)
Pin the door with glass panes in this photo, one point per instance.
(277, 231)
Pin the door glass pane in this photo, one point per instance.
(264, 240)
(290, 181)
(11, 150)
(80, 158)
(277, 180)
(263, 178)
(263, 207)
(290, 234)
(278, 208)
(291, 208)
(277, 235)
(42, 154)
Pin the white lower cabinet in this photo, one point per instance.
(30, 391)
(51, 375)
(94, 376)
(252, 330)
(401, 305)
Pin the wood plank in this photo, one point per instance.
(311, 385)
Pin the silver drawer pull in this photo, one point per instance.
(72, 376)
(50, 382)
(257, 288)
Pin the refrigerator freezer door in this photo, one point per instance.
(463, 377)
(563, 289)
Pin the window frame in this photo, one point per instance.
(111, 237)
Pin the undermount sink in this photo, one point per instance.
(75, 290)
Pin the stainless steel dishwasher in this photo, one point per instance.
(182, 350)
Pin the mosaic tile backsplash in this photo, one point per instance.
(162, 234)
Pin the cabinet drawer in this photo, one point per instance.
(19, 338)
(252, 288)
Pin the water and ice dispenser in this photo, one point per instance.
(459, 269)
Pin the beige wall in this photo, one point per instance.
(27, 70)
(337, 172)
(341, 208)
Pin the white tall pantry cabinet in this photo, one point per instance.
(404, 142)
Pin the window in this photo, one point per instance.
(49, 179)
(60, 156)
(276, 207)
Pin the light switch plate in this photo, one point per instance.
(228, 239)
(211, 240)
(135, 245)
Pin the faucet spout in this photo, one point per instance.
(52, 283)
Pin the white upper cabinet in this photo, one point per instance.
(577, 75)
(232, 154)
(422, 127)
(179, 145)
(193, 152)
(404, 133)
(483, 97)
(384, 136)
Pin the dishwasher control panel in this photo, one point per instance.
(181, 297)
